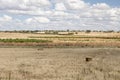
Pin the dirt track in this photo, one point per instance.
(59, 64)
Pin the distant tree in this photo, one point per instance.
(109, 31)
(88, 31)
(68, 30)
(55, 32)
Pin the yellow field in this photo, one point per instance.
(93, 39)
(59, 64)
(27, 35)
(74, 63)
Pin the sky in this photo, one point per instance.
(60, 15)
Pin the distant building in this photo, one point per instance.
(40, 32)
(65, 33)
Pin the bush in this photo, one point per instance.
(88, 31)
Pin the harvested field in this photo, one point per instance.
(59, 63)
(82, 39)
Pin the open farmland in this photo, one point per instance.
(82, 39)
(59, 64)
(24, 56)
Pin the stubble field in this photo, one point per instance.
(59, 64)
(90, 56)
(82, 39)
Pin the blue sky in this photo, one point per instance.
(60, 14)
(114, 3)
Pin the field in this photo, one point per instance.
(82, 39)
(82, 56)
(59, 64)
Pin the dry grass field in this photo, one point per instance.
(23, 56)
(82, 39)
(4, 35)
(59, 64)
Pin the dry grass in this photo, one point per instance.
(59, 64)
(4, 35)
(82, 39)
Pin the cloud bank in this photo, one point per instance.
(57, 14)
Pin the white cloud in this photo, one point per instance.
(60, 7)
(24, 4)
(76, 4)
(5, 18)
(31, 12)
(58, 14)
(37, 20)
(101, 6)
(38, 3)
(112, 12)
